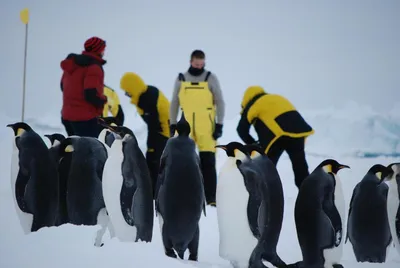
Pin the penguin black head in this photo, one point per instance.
(110, 120)
(394, 170)
(234, 149)
(380, 171)
(19, 128)
(121, 131)
(66, 146)
(331, 166)
(55, 137)
(182, 126)
(106, 122)
(254, 150)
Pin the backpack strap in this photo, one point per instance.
(181, 77)
(207, 76)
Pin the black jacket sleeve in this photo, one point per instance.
(91, 97)
(243, 130)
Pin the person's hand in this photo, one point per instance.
(217, 131)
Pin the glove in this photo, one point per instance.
(217, 131)
(172, 129)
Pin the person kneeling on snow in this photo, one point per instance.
(279, 127)
(113, 106)
(153, 107)
(82, 84)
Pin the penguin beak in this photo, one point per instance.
(10, 125)
(343, 166)
(221, 146)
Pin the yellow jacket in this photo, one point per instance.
(272, 115)
(150, 103)
(113, 105)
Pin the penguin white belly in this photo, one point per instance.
(112, 185)
(236, 241)
(392, 207)
(25, 219)
(334, 255)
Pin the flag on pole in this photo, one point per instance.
(24, 15)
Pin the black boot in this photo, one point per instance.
(209, 171)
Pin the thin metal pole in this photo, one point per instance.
(24, 79)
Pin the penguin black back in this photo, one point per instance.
(183, 127)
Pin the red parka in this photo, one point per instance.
(82, 84)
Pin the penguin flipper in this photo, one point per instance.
(350, 209)
(251, 177)
(332, 213)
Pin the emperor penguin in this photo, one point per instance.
(34, 180)
(270, 206)
(319, 216)
(367, 226)
(84, 195)
(238, 206)
(127, 189)
(393, 203)
(180, 197)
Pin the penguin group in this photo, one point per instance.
(105, 181)
(251, 203)
(75, 181)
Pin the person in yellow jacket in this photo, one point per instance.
(113, 106)
(279, 126)
(199, 94)
(153, 107)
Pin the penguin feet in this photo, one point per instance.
(337, 265)
(193, 257)
(170, 253)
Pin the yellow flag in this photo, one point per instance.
(24, 15)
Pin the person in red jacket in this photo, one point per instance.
(82, 84)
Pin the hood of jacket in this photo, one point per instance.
(74, 61)
(133, 85)
(250, 93)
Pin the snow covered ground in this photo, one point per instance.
(351, 141)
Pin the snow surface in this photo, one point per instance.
(72, 246)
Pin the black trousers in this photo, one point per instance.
(89, 128)
(155, 146)
(68, 127)
(294, 147)
(208, 169)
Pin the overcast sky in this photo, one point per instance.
(316, 53)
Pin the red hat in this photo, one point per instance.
(95, 44)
